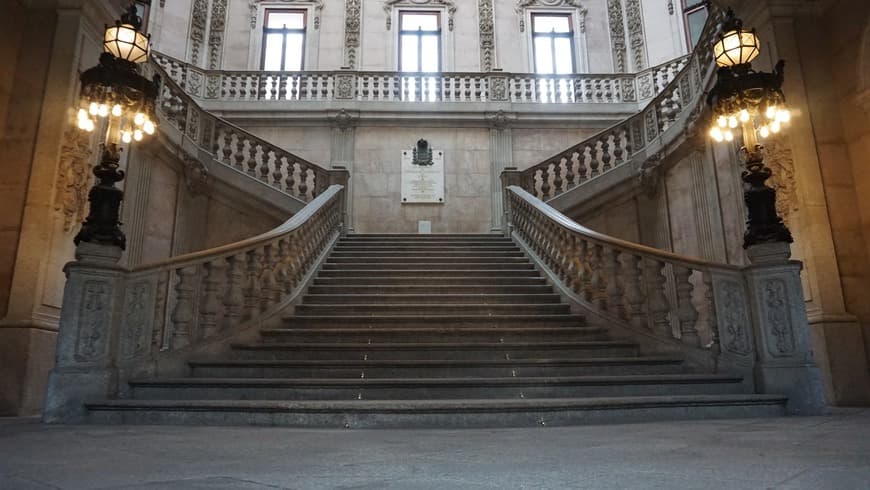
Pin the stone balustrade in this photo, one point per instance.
(120, 323)
(234, 147)
(679, 90)
(494, 86)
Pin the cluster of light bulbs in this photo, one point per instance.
(131, 128)
(770, 122)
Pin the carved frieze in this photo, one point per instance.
(577, 4)
(352, 15)
(778, 328)
(318, 9)
(449, 4)
(617, 34)
(94, 318)
(487, 34)
(216, 33)
(733, 318)
(198, 19)
(636, 39)
(74, 178)
(138, 310)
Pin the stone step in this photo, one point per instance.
(438, 298)
(409, 280)
(426, 243)
(479, 413)
(424, 276)
(400, 335)
(426, 248)
(425, 309)
(445, 320)
(428, 267)
(432, 388)
(463, 254)
(413, 289)
(435, 369)
(429, 236)
(433, 350)
(428, 260)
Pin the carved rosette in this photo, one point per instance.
(636, 39)
(449, 4)
(617, 34)
(73, 178)
(351, 32)
(198, 18)
(487, 34)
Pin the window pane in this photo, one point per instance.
(272, 56)
(543, 56)
(547, 23)
(413, 22)
(292, 20)
(409, 54)
(430, 54)
(293, 55)
(564, 60)
(695, 21)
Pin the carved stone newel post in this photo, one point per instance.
(86, 364)
(510, 176)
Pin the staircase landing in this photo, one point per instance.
(433, 331)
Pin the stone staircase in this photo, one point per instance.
(433, 331)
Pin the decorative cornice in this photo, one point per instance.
(577, 4)
(318, 8)
(449, 4)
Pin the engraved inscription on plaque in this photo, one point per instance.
(422, 175)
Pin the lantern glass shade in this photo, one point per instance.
(736, 48)
(125, 42)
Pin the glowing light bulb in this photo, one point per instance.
(732, 122)
(729, 136)
(94, 109)
(764, 132)
(744, 115)
(771, 112)
(83, 124)
(775, 127)
(83, 114)
(148, 127)
(139, 119)
(89, 125)
(716, 134)
(783, 116)
(137, 135)
(126, 137)
(116, 110)
(722, 121)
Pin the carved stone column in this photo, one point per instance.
(87, 339)
(785, 362)
(501, 158)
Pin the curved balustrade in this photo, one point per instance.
(197, 296)
(424, 87)
(702, 305)
(233, 146)
(680, 88)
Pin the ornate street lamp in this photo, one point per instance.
(115, 97)
(752, 101)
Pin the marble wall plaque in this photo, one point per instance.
(422, 178)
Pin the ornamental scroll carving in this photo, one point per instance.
(318, 9)
(196, 176)
(138, 312)
(733, 318)
(778, 330)
(487, 34)
(94, 318)
(216, 33)
(636, 39)
(617, 34)
(581, 10)
(351, 33)
(198, 18)
(780, 159)
(73, 178)
(449, 4)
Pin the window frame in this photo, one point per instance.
(419, 34)
(552, 36)
(690, 7)
(284, 31)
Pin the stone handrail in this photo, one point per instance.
(748, 320)
(119, 323)
(669, 111)
(236, 148)
(385, 86)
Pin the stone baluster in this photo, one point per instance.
(211, 305)
(686, 312)
(611, 275)
(585, 272)
(570, 175)
(617, 147)
(596, 282)
(605, 154)
(303, 181)
(234, 298)
(272, 157)
(632, 291)
(252, 158)
(290, 178)
(184, 313)
(582, 169)
(227, 150)
(545, 182)
(594, 162)
(264, 170)
(657, 301)
(239, 153)
(271, 289)
(557, 176)
(252, 284)
(710, 302)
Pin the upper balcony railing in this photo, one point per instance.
(383, 86)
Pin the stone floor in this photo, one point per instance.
(815, 452)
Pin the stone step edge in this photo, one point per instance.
(433, 318)
(421, 330)
(345, 363)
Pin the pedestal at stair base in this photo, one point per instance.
(85, 367)
(785, 357)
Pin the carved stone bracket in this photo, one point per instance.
(450, 4)
(500, 120)
(74, 178)
(318, 8)
(343, 119)
(577, 4)
(650, 175)
(196, 176)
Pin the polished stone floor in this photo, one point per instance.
(814, 453)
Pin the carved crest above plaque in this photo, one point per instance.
(422, 174)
